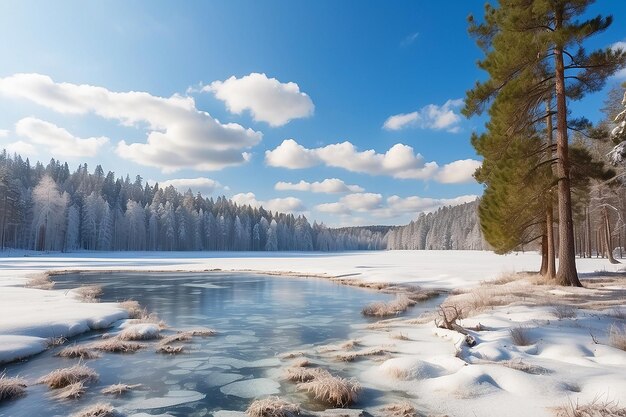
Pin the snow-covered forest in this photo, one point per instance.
(50, 208)
(453, 227)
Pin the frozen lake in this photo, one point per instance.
(257, 317)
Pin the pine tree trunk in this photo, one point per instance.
(551, 262)
(607, 237)
(588, 219)
(567, 274)
(544, 255)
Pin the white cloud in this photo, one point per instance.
(267, 99)
(179, 135)
(432, 116)
(400, 161)
(57, 140)
(201, 184)
(4, 133)
(283, 205)
(21, 148)
(328, 186)
(409, 39)
(457, 172)
(619, 45)
(392, 207)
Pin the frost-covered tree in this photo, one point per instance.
(49, 206)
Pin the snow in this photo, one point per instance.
(566, 363)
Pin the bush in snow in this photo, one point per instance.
(332, 390)
(520, 336)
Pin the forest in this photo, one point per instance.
(49, 208)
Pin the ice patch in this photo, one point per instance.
(170, 399)
(252, 388)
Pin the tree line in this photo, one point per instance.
(49, 208)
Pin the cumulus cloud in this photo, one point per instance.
(57, 140)
(267, 99)
(328, 186)
(179, 135)
(201, 184)
(457, 172)
(400, 161)
(392, 207)
(284, 205)
(432, 116)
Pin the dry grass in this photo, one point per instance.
(169, 349)
(77, 351)
(272, 407)
(332, 390)
(11, 388)
(350, 344)
(119, 389)
(391, 308)
(296, 374)
(134, 309)
(55, 341)
(97, 410)
(89, 293)
(187, 335)
(520, 336)
(617, 336)
(138, 332)
(596, 408)
(564, 311)
(291, 355)
(71, 392)
(64, 377)
(40, 282)
(300, 363)
(352, 356)
(401, 374)
(115, 345)
(525, 367)
(403, 409)
(399, 336)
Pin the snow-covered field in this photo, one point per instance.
(568, 364)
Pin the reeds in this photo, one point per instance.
(272, 407)
(11, 388)
(63, 377)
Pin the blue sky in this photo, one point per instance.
(354, 64)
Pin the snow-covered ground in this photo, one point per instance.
(572, 366)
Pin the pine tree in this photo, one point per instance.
(523, 40)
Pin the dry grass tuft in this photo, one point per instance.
(617, 336)
(89, 293)
(291, 355)
(304, 374)
(63, 377)
(97, 410)
(352, 356)
(187, 335)
(391, 308)
(506, 277)
(71, 392)
(525, 367)
(563, 311)
(169, 349)
(138, 332)
(272, 407)
(300, 363)
(77, 351)
(596, 408)
(55, 341)
(119, 389)
(520, 336)
(332, 390)
(399, 336)
(11, 388)
(403, 409)
(115, 345)
(133, 308)
(401, 374)
(40, 282)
